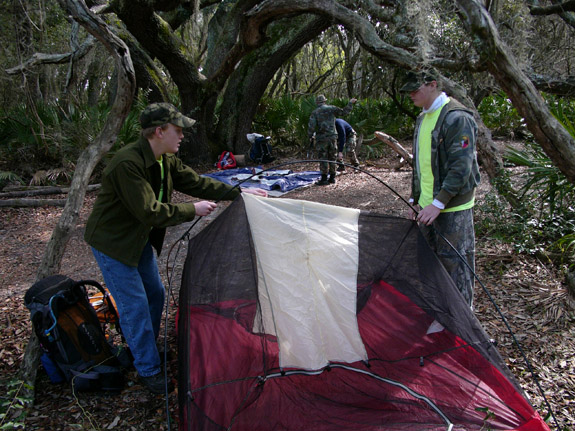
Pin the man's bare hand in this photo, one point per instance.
(257, 192)
(412, 212)
(204, 208)
(428, 214)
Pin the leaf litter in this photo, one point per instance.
(531, 295)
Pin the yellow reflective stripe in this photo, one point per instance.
(424, 157)
(461, 207)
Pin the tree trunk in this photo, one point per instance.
(148, 75)
(557, 143)
(249, 82)
(93, 153)
(150, 30)
(88, 160)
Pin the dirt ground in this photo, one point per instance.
(528, 293)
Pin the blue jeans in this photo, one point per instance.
(139, 295)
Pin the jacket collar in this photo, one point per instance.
(439, 101)
(147, 153)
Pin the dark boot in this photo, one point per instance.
(331, 179)
(323, 181)
(340, 166)
(156, 384)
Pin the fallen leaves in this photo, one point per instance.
(530, 295)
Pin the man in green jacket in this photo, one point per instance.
(129, 219)
(445, 176)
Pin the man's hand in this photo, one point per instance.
(412, 211)
(204, 208)
(257, 192)
(353, 100)
(428, 214)
(310, 148)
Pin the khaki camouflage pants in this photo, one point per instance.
(327, 150)
(349, 148)
(457, 228)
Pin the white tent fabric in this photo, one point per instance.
(307, 289)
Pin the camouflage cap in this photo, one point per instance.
(157, 114)
(415, 80)
(320, 99)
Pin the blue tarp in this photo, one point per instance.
(275, 182)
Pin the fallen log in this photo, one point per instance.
(28, 203)
(396, 146)
(393, 166)
(41, 191)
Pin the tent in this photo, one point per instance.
(295, 315)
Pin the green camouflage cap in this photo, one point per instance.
(157, 114)
(415, 80)
(320, 99)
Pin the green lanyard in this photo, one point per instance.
(161, 194)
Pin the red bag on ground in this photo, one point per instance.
(226, 161)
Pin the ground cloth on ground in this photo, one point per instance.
(276, 182)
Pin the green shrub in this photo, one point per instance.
(545, 221)
(499, 115)
(13, 411)
(9, 178)
(286, 119)
(43, 148)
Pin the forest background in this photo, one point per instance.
(76, 75)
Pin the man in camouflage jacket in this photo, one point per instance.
(445, 176)
(322, 124)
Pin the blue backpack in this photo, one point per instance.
(72, 336)
(261, 151)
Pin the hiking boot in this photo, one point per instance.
(156, 384)
(340, 166)
(331, 179)
(323, 181)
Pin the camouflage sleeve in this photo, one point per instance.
(311, 126)
(345, 111)
(459, 141)
(341, 112)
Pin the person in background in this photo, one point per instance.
(346, 137)
(322, 125)
(445, 176)
(129, 220)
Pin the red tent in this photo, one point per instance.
(296, 315)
